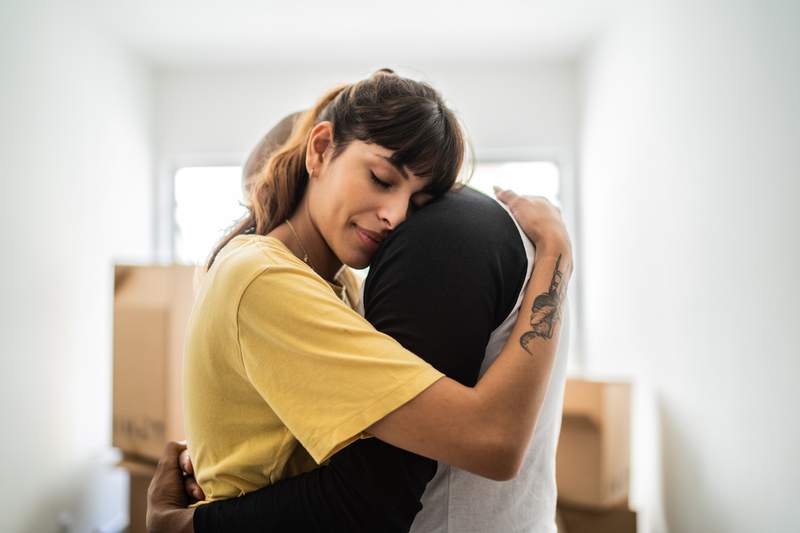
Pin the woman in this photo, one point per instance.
(280, 373)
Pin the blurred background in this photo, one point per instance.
(668, 131)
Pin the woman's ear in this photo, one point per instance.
(319, 141)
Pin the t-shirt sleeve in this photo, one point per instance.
(322, 368)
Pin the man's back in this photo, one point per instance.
(458, 501)
(474, 243)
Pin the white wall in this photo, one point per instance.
(503, 106)
(75, 146)
(691, 253)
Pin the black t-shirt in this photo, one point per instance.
(440, 284)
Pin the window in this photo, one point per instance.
(527, 178)
(208, 200)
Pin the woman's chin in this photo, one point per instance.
(357, 264)
(357, 260)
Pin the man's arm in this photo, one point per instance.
(370, 487)
(460, 258)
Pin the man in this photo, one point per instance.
(448, 282)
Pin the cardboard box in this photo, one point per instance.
(151, 309)
(140, 476)
(593, 458)
(615, 520)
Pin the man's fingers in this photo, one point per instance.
(186, 462)
(193, 489)
(169, 458)
(173, 449)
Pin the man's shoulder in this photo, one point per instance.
(464, 219)
(463, 225)
(463, 240)
(459, 207)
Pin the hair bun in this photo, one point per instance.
(382, 72)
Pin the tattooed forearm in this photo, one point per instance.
(546, 310)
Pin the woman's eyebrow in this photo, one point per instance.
(398, 167)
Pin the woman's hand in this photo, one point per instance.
(539, 219)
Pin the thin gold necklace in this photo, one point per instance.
(306, 260)
(339, 289)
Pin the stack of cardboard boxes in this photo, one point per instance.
(593, 461)
(151, 309)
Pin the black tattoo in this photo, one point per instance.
(545, 311)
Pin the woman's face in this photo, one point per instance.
(359, 197)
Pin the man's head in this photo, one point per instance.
(261, 153)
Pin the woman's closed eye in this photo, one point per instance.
(379, 182)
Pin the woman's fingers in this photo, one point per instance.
(537, 216)
(506, 196)
(510, 199)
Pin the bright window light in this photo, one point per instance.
(208, 200)
(527, 178)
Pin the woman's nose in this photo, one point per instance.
(393, 213)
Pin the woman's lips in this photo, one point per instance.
(371, 239)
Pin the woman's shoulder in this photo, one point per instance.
(248, 258)
(256, 253)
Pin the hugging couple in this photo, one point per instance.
(428, 400)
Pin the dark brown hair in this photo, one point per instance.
(406, 116)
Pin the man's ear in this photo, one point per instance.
(320, 140)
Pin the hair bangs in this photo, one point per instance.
(422, 139)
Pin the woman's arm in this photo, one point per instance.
(486, 429)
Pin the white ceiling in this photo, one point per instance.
(181, 33)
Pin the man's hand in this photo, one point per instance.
(190, 485)
(167, 500)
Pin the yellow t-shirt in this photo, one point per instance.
(280, 373)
